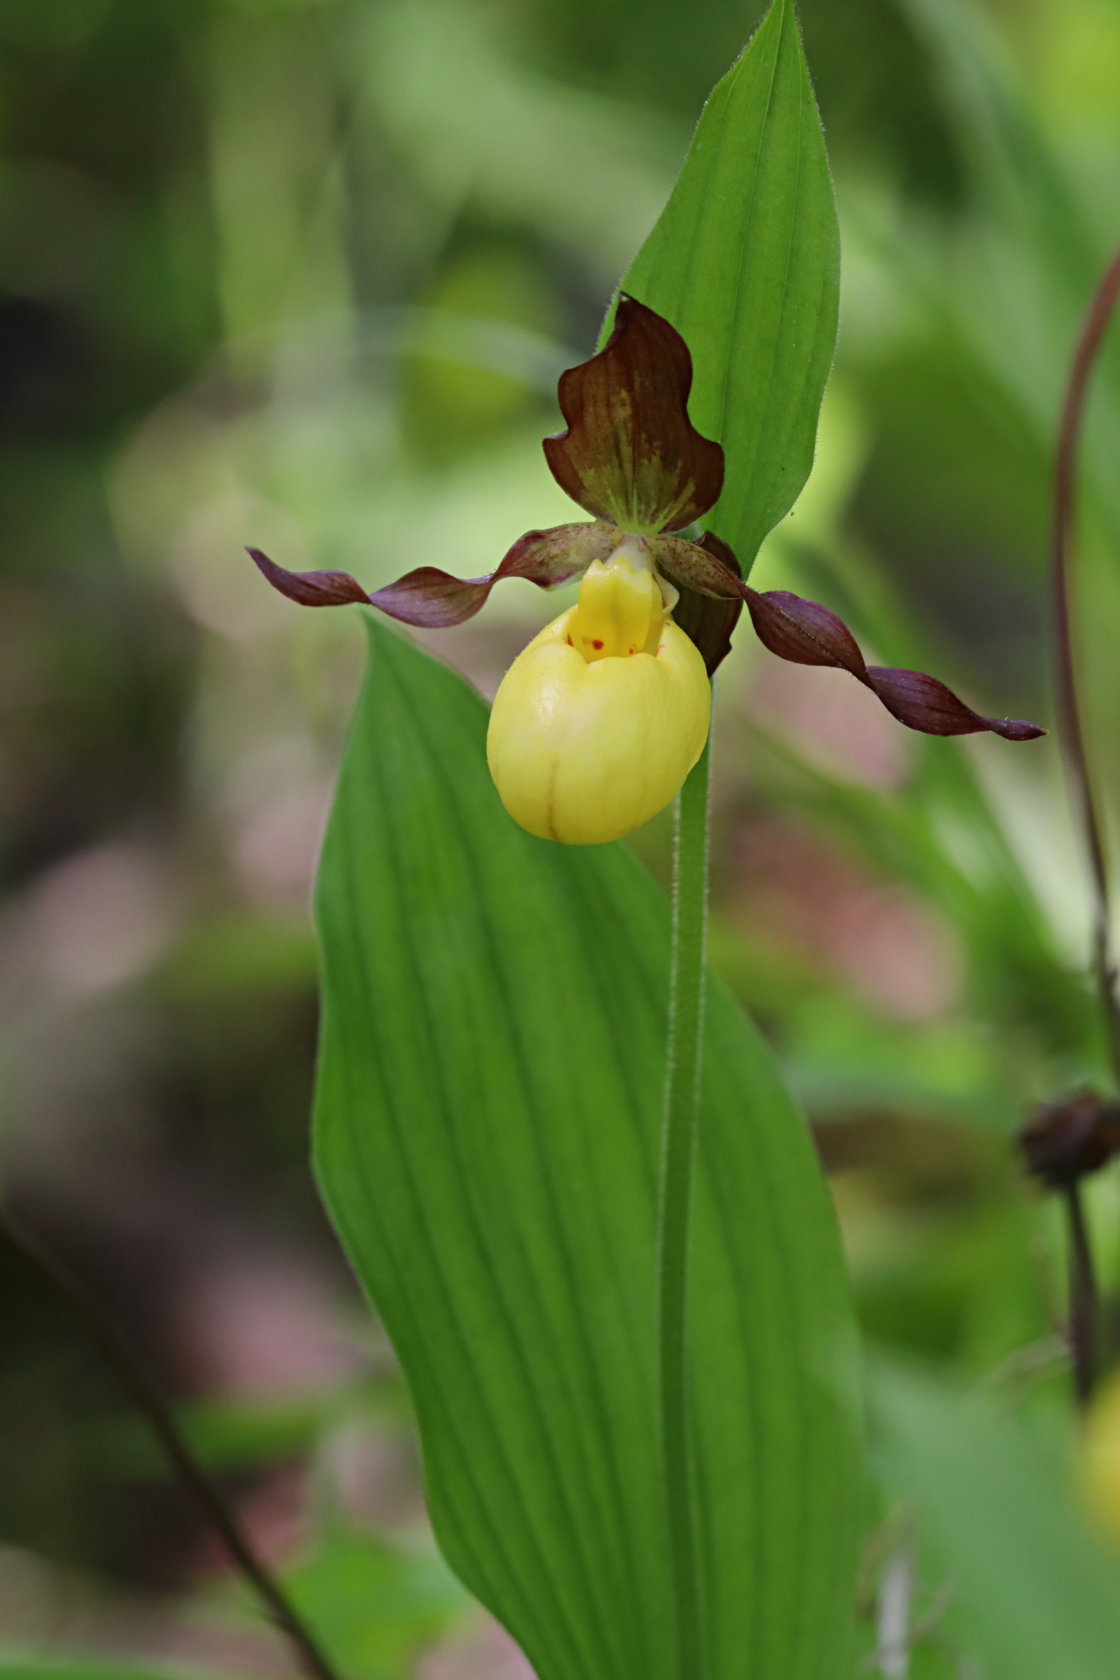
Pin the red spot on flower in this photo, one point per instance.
(596, 645)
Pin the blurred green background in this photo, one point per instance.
(302, 273)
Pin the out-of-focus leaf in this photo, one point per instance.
(581, 167)
(1010, 154)
(745, 262)
(376, 1606)
(237, 955)
(1023, 272)
(487, 1124)
(240, 1434)
(933, 1662)
(1037, 1590)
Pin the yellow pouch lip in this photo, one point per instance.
(584, 752)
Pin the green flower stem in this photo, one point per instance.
(678, 1156)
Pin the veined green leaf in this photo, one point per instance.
(486, 1137)
(1036, 1589)
(745, 262)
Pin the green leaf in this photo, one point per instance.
(486, 1136)
(1037, 1590)
(745, 262)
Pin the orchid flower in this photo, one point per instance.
(599, 720)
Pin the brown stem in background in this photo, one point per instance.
(1073, 739)
(1082, 1299)
(144, 1394)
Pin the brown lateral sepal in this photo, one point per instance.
(809, 634)
(806, 633)
(433, 599)
(924, 703)
(309, 589)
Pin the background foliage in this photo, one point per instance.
(302, 272)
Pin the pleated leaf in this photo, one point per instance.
(486, 1141)
(745, 262)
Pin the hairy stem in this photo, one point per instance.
(1072, 732)
(678, 1156)
(144, 1394)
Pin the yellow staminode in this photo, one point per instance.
(620, 612)
(598, 722)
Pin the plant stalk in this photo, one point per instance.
(678, 1159)
(1075, 755)
(142, 1391)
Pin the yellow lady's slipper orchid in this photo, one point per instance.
(600, 719)
(598, 722)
